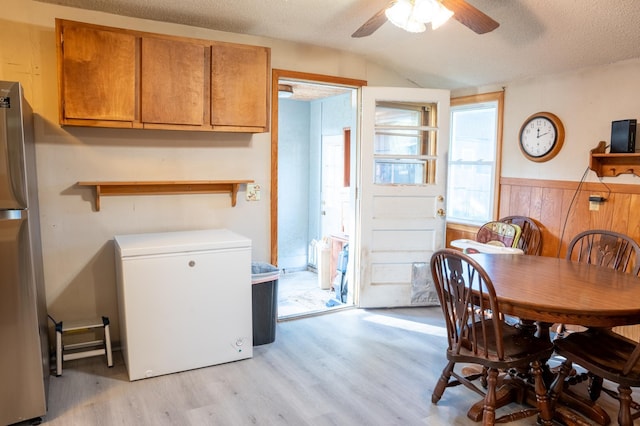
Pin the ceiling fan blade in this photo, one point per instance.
(374, 23)
(469, 16)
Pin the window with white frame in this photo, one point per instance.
(476, 129)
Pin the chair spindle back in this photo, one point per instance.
(530, 241)
(469, 304)
(606, 248)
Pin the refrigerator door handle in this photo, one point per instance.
(13, 214)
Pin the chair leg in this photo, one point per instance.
(542, 396)
(442, 382)
(594, 387)
(489, 411)
(624, 415)
(483, 379)
(558, 383)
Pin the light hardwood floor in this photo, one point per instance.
(351, 367)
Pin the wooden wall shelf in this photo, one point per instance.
(166, 187)
(612, 165)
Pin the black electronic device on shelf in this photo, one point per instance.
(623, 136)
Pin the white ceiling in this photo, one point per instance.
(535, 37)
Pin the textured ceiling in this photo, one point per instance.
(535, 37)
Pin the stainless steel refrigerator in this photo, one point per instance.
(24, 347)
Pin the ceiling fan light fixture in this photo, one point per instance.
(414, 26)
(442, 15)
(412, 15)
(425, 10)
(285, 91)
(402, 14)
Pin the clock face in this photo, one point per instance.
(541, 137)
(538, 137)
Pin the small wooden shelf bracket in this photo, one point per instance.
(611, 165)
(166, 188)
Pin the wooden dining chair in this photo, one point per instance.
(612, 250)
(499, 233)
(530, 241)
(478, 334)
(605, 248)
(607, 355)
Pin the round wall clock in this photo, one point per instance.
(541, 136)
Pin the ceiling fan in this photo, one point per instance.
(408, 14)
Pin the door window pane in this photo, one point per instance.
(404, 142)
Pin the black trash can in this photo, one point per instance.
(264, 295)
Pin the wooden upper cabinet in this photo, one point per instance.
(240, 87)
(110, 77)
(96, 83)
(173, 83)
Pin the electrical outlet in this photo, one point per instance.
(253, 192)
(595, 201)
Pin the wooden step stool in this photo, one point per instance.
(73, 351)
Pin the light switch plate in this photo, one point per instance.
(253, 192)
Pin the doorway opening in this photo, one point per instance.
(313, 144)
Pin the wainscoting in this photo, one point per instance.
(562, 213)
(549, 201)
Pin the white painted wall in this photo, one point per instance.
(77, 241)
(586, 100)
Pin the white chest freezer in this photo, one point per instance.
(184, 300)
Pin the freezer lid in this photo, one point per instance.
(179, 241)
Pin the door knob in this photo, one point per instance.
(440, 212)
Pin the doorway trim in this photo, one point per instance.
(276, 75)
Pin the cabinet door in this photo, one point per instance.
(173, 82)
(97, 74)
(239, 87)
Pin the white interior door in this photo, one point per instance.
(333, 192)
(401, 218)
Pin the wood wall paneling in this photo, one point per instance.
(563, 210)
(562, 213)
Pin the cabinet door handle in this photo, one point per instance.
(192, 263)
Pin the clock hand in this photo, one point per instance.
(540, 135)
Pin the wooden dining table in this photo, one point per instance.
(541, 291)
